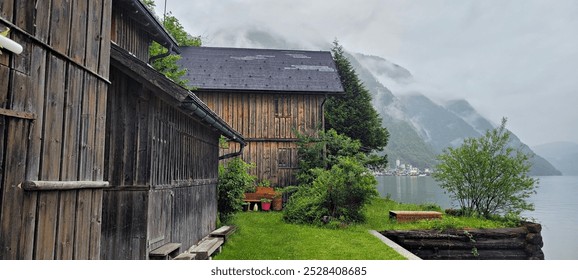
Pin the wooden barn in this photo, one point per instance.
(101, 157)
(267, 95)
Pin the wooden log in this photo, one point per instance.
(62, 185)
(468, 254)
(516, 243)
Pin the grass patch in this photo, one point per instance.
(265, 236)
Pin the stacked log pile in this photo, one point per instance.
(520, 243)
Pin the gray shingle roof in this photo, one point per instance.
(238, 69)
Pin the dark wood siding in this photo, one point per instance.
(129, 35)
(162, 165)
(53, 98)
(269, 122)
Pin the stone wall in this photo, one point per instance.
(520, 243)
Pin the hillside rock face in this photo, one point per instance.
(563, 155)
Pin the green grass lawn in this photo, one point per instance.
(265, 236)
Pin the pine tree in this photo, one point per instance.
(353, 114)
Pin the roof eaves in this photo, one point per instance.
(153, 26)
(182, 97)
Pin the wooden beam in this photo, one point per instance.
(17, 114)
(62, 185)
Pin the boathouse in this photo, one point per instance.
(269, 96)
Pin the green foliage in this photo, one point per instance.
(353, 114)
(340, 192)
(234, 181)
(168, 64)
(324, 152)
(486, 176)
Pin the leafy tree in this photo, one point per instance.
(353, 114)
(234, 181)
(487, 176)
(168, 64)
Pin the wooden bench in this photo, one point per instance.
(186, 256)
(206, 248)
(165, 252)
(410, 216)
(223, 232)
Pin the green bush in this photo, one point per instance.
(234, 181)
(340, 193)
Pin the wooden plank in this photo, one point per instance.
(93, 34)
(65, 242)
(60, 22)
(71, 136)
(25, 245)
(43, 20)
(224, 232)
(4, 83)
(105, 38)
(7, 9)
(37, 90)
(100, 131)
(77, 47)
(186, 256)
(207, 247)
(409, 216)
(95, 224)
(11, 196)
(51, 153)
(17, 114)
(62, 185)
(165, 250)
(82, 224)
(53, 125)
(88, 129)
(46, 229)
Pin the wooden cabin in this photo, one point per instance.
(101, 157)
(266, 95)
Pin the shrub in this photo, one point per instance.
(340, 193)
(234, 181)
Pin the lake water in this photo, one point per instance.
(556, 204)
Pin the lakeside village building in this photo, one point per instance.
(404, 169)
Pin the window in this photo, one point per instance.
(282, 106)
(287, 158)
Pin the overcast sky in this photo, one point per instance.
(514, 59)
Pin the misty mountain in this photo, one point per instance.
(419, 127)
(464, 110)
(563, 155)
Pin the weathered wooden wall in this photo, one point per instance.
(162, 166)
(129, 35)
(53, 102)
(268, 122)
